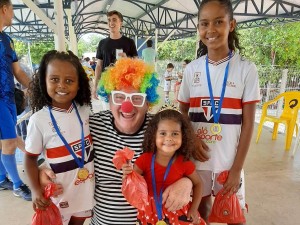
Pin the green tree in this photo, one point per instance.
(37, 51)
(21, 48)
(178, 50)
(88, 43)
(272, 45)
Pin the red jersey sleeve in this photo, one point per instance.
(189, 167)
(141, 161)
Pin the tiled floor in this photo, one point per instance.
(272, 187)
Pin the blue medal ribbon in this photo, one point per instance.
(79, 162)
(158, 199)
(217, 112)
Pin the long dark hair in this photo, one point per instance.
(188, 137)
(233, 39)
(38, 90)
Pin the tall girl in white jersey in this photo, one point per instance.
(219, 92)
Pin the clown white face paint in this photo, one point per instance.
(128, 121)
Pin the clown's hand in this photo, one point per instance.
(178, 194)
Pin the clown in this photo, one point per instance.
(131, 87)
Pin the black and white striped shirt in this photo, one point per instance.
(111, 207)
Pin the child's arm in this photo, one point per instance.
(233, 181)
(168, 78)
(180, 75)
(127, 169)
(137, 169)
(193, 213)
(31, 168)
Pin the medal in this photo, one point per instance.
(161, 222)
(158, 193)
(216, 128)
(83, 174)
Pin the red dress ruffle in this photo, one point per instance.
(177, 218)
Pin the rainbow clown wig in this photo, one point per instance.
(130, 73)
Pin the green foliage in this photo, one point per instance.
(21, 48)
(272, 45)
(177, 50)
(269, 74)
(88, 43)
(37, 51)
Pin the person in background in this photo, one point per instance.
(167, 81)
(112, 47)
(168, 148)
(9, 68)
(219, 91)
(149, 54)
(179, 80)
(58, 129)
(93, 63)
(22, 103)
(88, 68)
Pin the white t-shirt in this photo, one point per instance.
(242, 88)
(78, 195)
(167, 83)
(149, 55)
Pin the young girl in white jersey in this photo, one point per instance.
(168, 146)
(59, 129)
(219, 92)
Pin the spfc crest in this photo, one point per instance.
(196, 79)
(77, 148)
(207, 109)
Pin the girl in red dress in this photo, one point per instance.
(168, 146)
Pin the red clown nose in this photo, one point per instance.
(127, 107)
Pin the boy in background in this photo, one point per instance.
(168, 79)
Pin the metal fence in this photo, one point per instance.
(275, 80)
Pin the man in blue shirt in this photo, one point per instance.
(9, 68)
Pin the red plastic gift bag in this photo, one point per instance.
(135, 190)
(50, 216)
(226, 209)
(122, 156)
(134, 186)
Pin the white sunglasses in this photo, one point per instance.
(137, 99)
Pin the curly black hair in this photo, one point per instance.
(233, 37)
(38, 90)
(188, 145)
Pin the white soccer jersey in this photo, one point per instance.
(241, 88)
(78, 194)
(167, 83)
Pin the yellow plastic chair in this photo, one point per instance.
(288, 117)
